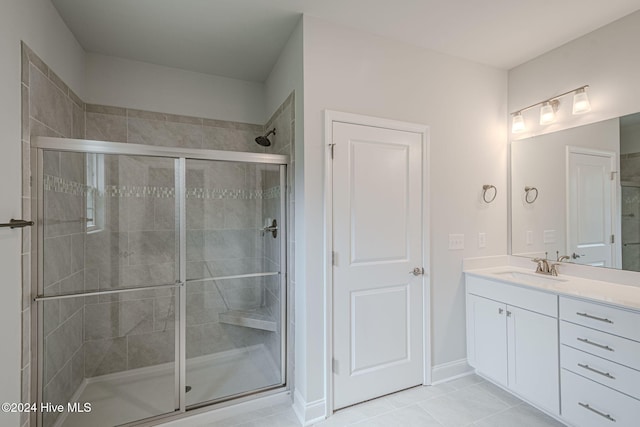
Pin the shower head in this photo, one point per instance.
(264, 140)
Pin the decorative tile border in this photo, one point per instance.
(61, 185)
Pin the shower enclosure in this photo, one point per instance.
(630, 225)
(160, 279)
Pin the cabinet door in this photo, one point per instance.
(533, 357)
(489, 337)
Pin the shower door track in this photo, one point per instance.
(180, 155)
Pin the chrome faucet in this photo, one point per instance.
(561, 258)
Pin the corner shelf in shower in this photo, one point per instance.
(255, 319)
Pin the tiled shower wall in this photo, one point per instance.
(144, 333)
(50, 108)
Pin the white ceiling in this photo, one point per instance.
(243, 38)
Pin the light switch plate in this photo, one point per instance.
(456, 242)
(482, 240)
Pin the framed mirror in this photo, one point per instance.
(575, 194)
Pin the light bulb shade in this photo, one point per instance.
(581, 102)
(517, 124)
(547, 115)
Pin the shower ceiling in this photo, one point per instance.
(242, 39)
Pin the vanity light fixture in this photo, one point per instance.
(548, 111)
(517, 124)
(581, 101)
(549, 107)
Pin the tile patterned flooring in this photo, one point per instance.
(467, 401)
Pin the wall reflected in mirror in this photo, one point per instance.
(587, 182)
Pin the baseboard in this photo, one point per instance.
(308, 413)
(450, 371)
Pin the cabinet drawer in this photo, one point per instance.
(597, 316)
(529, 299)
(607, 346)
(589, 404)
(614, 375)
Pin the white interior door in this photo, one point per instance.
(590, 207)
(377, 237)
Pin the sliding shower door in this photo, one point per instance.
(160, 280)
(108, 287)
(234, 289)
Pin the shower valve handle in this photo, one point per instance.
(273, 229)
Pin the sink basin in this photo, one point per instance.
(532, 278)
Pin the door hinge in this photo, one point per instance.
(613, 175)
(332, 147)
(334, 258)
(613, 239)
(335, 366)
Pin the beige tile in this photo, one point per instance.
(39, 129)
(58, 82)
(35, 60)
(76, 99)
(143, 114)
(78, 122)
(26, 337)
(106, 109)
(184, 119)
(26, 281)
(26, 170)
(163, 133)
(25, 113)
(48, 104)
(105, 127)
(24, 64)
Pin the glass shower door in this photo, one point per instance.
(234, 288)
(107, 287)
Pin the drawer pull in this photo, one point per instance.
(589, 368)
(602, 414)
(586, 341)
(602, 319)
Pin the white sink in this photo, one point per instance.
(532, 278)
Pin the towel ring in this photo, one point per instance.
(528, 190)
(485, 189)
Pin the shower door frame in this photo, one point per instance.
(180, 157)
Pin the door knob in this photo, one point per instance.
(418, 271)
(576, 256)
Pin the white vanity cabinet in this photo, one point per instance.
(512, 338)
(600, 364)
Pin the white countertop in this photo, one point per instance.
(624, 296)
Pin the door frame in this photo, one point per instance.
(616, 218)
(331, 117)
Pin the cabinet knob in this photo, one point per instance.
(508, 313)
(500, 311)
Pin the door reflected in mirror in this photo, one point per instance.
(587, 182)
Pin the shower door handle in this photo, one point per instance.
(17, 223)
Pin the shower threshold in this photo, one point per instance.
(146, 392)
